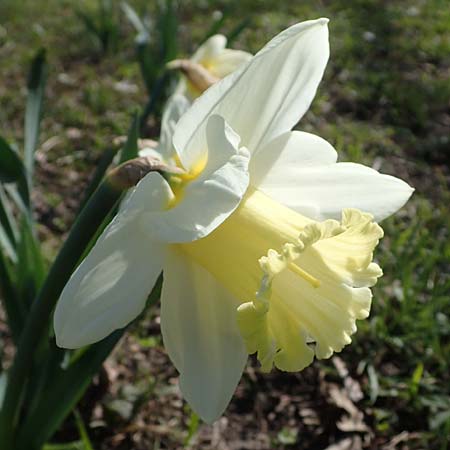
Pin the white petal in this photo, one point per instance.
(285, 155)
(267, 96)
(110, 287)
(198, 322)
(210, 199)
(299, 170)
(176, 106)
(228, 61)
(212, 47)
(152, 193)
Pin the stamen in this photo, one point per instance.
(180, 178)
(314, 282)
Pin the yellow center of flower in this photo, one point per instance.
(178, 181)
(301, 284)
(232, 252)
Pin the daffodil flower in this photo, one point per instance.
(211, 62)
(259, 234)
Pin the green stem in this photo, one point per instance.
(101, 202)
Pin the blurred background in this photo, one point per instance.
(384, 101)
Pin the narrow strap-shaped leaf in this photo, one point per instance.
(68, 385)
(100, 170)
(11, 167)
(17, 197)
(6, 245)
(31, 267)
(67, 388)
(155, 96)
(168, 25)
(7, 219)
(38, 319)
(36, 86)
(15, 313)
(147, 63)
(130, 149)
(46, 364)
(8, 228)
(88, 221)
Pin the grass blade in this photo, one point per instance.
(82, 430)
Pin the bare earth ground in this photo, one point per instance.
(384, 102)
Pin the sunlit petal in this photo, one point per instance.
(208, 200)
(111, 285)
(265, 98)
(198, 321)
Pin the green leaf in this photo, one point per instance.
(67, 385)
(7, 219)
(38, 320)
(63, 393)
(147, 64)
(36, 87)
(18, 197)
(168, 26)
(11, 167)
(100, 170)
(131, 150)
(155, 95)
(15, 312)
(31, 267)
(5, 243)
